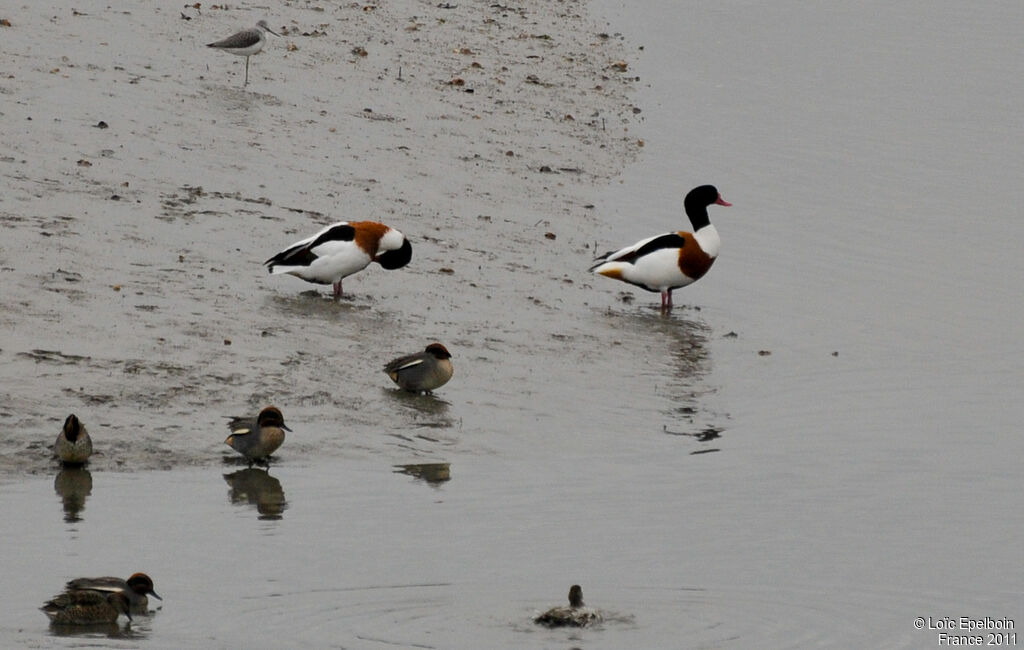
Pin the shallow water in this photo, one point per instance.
(871, 156)
(719, 477)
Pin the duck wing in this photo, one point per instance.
(106, 583)
(303, 253)
(402, 363)
(643, 247)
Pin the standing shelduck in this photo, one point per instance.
(672, 260)
(341, 249)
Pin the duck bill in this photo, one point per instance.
(285, 427)
(155, 595)
(722, 201)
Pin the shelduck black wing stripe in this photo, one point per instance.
(670, 240)
(301, 255)
(298, 255)
(341, 232)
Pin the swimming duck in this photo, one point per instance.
(257, 438)
(87, 607)
(134, 588)
(672, 260)
(341, 249)
(73, 445)
(423, 371)
(245, 43)
(575, 615)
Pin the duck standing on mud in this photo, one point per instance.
(341, 249)
(257, 438)
(671, 260)
(423, 371)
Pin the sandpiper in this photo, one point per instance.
(245, 43)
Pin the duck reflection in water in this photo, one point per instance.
(97, 630)
(256, 487)
(680, 375)
(432, 473)
(423, 410)
(73, 485)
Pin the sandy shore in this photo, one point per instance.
(144, 186)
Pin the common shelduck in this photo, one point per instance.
(673, 260)
(73, 445)
(341, 249)
(245, 43)
(423, 371)
(257, 438)
(575, 615)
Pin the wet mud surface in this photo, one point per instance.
(134, 291)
